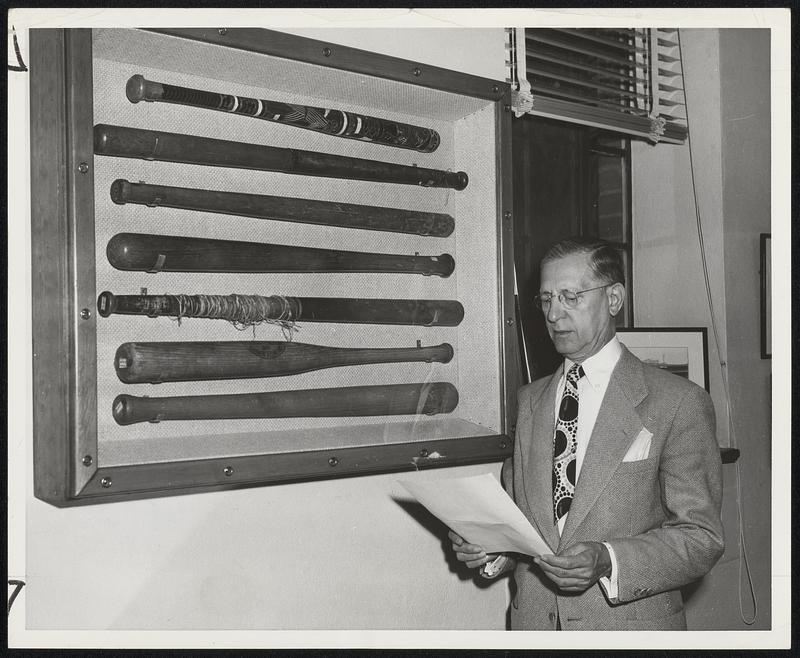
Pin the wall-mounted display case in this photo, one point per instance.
(325, 418)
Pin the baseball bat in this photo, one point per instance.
(143, 252)
(153, 363)
(413, 312)
(124, 142)
(331, 122)
(381, 400)
(287, 209)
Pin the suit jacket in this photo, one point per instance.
(661, 515)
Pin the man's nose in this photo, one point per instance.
(555, 311)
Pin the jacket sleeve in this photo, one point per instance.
(507, 473)
(524, 395)
(690, 540)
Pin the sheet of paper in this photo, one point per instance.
(479, 510)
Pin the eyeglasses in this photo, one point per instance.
(568, 298)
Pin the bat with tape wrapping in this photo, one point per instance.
(381, 400)
(153, 363)
(142, 252)
(331, 122)
(287, 209)
(125, 142)
(235, 308)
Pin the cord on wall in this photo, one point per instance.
(743, 559)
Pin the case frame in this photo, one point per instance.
(68, 468)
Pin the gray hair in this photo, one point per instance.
(604, 260)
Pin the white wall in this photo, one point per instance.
(727, 79)
(336, 554)
(669, 286)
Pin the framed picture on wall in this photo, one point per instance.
(766, 296)
(682, 351)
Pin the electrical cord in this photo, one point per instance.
(743, 559)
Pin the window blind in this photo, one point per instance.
(625, 80)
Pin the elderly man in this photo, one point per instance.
(616, 464)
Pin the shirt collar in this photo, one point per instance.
(598, 367)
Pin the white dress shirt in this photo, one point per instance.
(592, 387)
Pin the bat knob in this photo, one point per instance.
(135, 88)
(462, 180)
(448, 353)
(120, 189)
(106, 304)
(121, 410)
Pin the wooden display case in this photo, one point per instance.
(78, 79)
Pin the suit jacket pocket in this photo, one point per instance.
(629, 468)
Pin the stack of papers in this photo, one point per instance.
(479, 510)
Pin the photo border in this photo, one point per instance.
(765, 275)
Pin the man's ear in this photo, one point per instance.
(616, 297)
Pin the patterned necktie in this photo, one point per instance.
(565, 445)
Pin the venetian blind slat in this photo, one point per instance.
(626, 80)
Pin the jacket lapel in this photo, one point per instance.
(538, 462)
(615, 429)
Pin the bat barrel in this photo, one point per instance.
(440, 398)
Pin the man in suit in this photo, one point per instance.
(615, 463)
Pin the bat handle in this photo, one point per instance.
(457, 180)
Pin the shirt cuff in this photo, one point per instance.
(495, 567)
(611, 583)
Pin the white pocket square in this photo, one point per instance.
(640, 448)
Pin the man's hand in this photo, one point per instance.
(470, 554)
(577, 568)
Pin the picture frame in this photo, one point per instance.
(680, 350)
(765, 272)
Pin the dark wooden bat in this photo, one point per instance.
(127, 142)
(330, 122)
(153, 363)
(413, 312)
(382, 400)
(143, 252)
(287, 209)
